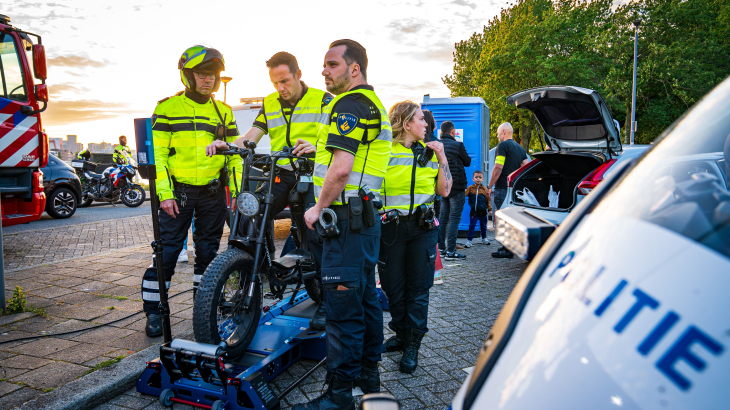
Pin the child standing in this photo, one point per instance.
(480, 207)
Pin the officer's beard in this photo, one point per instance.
(339, 84)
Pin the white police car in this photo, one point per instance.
(626, 305)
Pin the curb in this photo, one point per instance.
(100, 386)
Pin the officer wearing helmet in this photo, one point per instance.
(188, 181)
(122, 151)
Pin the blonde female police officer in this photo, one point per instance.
(408, 240)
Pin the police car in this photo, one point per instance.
(626, 305)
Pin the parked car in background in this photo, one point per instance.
(625, 306)
(583, 143)
(62, 188)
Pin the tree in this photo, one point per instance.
(684, 52)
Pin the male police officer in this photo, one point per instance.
(121, 151)
(290, 116)
(352, 156)
(187, 180)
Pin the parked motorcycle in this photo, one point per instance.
(228, 303)
(113, 184)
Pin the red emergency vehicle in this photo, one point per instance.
(23, 144)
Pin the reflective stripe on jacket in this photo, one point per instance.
(406, 184)
(303, 123)
(181, 129)
(371, 161)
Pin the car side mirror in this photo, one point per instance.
(40, 70)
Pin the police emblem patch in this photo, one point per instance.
(154, 119)
(346, 123)
(327, 99)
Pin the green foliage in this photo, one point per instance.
(17, 303)
(684, 51)
(104, 364)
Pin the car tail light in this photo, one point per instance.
(590, 182)
(37, 181)
(513, 176)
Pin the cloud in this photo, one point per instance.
(464, 3)
(74, 112)
(56, 89)
(409, 26)
(75, 61)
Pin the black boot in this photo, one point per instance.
(409, 361)
(319, 319)
(337, 397)
(369, 380)
(397, 341)
(154, 325)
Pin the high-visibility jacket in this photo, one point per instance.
(407, 185)
(119, 151)
(181, 129)
(371, 159)
(302, 123)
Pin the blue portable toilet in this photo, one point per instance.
(470, 116)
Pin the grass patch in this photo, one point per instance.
(104, 364)
(111, 308)
(18, 304)
(48, 389)
(113, 297)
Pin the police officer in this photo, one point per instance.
(85, 155)
(352, 156)
(417, 172)
(290, 116)
(121, 151)
(187, 180)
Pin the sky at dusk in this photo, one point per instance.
(111, 61)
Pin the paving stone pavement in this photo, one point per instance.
(461, 313)
(83, 292)
(47, 246)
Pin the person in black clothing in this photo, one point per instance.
(510, 156)
(452, 205)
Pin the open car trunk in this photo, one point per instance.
(563, 170)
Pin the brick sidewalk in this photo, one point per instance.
(47, 246)
(461, 312)
(81, 293)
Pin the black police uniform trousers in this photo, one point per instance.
(354, 317)
(210, 215)
(406, 266)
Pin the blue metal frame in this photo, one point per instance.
(279, 342)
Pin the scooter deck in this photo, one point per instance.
(282, 338)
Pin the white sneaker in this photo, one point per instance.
(183, 257)
(485, 241)
(467, 244)
(437, 280)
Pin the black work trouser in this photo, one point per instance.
(210, 215)
(354, 317)
(406, 266)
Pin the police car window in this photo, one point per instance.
(11, 74)
(681, 185)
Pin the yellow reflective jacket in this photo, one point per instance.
(371, 161)
(407, 185)
(181, 129)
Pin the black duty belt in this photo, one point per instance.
(409, 218)
(179, 186)
(341, 211)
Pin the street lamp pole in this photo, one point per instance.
(225, 86)
(633, 93)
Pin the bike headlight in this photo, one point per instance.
(247, 204)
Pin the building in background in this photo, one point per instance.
(65, 148)
(103, 147)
